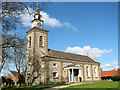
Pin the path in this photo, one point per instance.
(64, 86)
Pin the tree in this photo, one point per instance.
(101, 70)
(19, 54)
(10, 18)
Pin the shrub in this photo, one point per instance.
(22, 79)
(116, 78)
(3, 79)
(9, 82)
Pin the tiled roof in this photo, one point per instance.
(14, 73)
(110, 73)
(70, 56)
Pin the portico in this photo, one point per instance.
(74, 73)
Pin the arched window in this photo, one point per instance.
(87, 70)
(41, 41)
(29, 68)
(30, 41)
(95, 71)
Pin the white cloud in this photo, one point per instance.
(69, 26)
(94, 52)
(48, 21)
(111, 65)
(1, 74)
(27, 18)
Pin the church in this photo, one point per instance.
(45, 65)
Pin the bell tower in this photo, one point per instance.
(37, 22)
(36, 48)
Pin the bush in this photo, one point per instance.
(116, 78)
(3, 79)
(9, 82)
(22, 80)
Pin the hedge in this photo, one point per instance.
(115, 78)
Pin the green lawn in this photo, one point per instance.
(98, 85)
(33, 87)
(109, 85)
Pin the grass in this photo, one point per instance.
(33, 87)
(99, 85)
(103, 85)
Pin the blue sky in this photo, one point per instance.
(96, 24)
(80, 28)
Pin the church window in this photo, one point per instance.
(29, 41)
(41, 41)
(95, 71)
(87, 69)
(54, 64)
(55, 75)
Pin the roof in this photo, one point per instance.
(110, 73)
(38, 29)
(14, 73)
(70, 56)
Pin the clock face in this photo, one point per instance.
(36, 16)
(39, 24)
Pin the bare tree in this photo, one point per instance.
(34, 68)
(19, 55)
(10, 18)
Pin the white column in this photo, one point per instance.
(72, 76)
(69, 74)
(79, 76)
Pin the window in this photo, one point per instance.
(29, 69)
(87, 69)
(54, 64)
(8, 74)
(29, 41)
(41, 41)
(55, 75)
(95, 71)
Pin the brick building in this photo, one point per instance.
(13, 75)
(106, 75)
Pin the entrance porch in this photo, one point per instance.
(74, 73)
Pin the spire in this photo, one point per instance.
(37, 10)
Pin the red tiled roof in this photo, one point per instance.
(110, 73)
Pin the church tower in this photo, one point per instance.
(36, 47)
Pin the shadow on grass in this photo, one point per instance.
(23, 87)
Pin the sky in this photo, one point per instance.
(81, 28)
